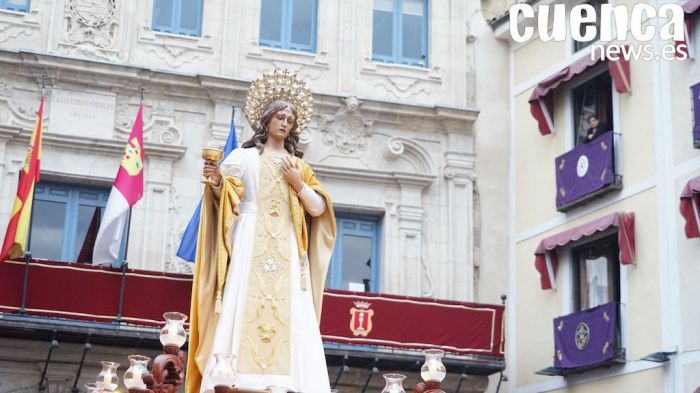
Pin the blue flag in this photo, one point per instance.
(188, 244)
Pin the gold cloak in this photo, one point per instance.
(214, 250)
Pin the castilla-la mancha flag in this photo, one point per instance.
(18, 228)
(126, 191)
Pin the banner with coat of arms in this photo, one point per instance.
(586, 337)
(411, 322)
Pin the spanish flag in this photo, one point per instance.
(18, 228)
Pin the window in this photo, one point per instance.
(400, 32)
(15, 5)
(578, 45)
(289, 24)
(178, 16)
(596, 272)
(355, 263)
(65, 221)
(593, 98)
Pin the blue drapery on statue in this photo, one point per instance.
(188, 244)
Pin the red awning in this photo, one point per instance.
(690, 206)
(688, 8)
(542, 101)
(546, 258)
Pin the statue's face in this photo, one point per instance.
(281, 124)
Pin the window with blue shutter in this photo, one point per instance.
(65, 220)
(182, 17)
(355, 261)
(289, 24)
(15, 5)
(400, 32)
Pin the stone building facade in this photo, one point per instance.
(419, 150)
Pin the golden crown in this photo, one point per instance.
(279, 85)
(362, 305)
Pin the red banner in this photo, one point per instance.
(85, 292)
(88, 293)
(410, 322)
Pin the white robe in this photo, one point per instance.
(308, 363)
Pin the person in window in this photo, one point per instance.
(267, 309)
(596, 128)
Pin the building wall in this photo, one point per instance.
(423, 149)
(657, 159)
(418, 181)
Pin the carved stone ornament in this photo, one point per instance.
(91, 28)
(5, 89)
(160, 128)
(347, 130)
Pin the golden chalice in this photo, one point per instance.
(211, 155)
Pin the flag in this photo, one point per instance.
(15, 243)
(126, 191)
(188, 244)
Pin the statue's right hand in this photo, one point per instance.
(211, 171)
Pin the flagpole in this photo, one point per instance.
(124, 264)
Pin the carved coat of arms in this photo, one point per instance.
(347, 130)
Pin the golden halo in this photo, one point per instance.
(279, 85)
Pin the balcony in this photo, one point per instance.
(72, 303)
(587, 171)
(586, 340)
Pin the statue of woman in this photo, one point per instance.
(271, 217)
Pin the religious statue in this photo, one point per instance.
(265, 240)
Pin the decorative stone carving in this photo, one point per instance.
(403, 81)
(18, 24)
(175, 56)
(412, 151)
(91, 28)
(175, 50)
(9, 31)
(160, 129)
(347, 130)
(308, 66)
(402, 87)
(305, 71)
(426, 286)
(163, 130)
(173, 263)
(23, 113)
(5, 89)
(124, 119)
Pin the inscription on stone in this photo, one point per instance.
(82, 114)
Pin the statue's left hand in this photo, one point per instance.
(292, 174)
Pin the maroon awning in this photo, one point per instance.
(542, 98)
(545, 255)
(690, 206)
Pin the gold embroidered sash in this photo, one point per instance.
(265, 337)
